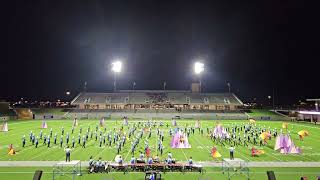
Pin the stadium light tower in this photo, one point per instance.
(198, 69)
(116, 68)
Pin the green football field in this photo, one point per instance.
(200, 144)
(200, 149)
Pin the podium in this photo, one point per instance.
(235, 167)
(67, 169)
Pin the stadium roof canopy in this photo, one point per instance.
(317, 99)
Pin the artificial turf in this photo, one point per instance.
(200, 144)
(200, 150)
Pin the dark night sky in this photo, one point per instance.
(55, 46)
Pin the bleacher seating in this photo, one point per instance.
(150, 97)
(158, 103)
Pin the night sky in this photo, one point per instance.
(53, 47)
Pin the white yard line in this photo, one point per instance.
(18, 152)
(202, 145)
(47, 151)
(14, 134)
(80, 147)
(127, 155)
(274, 157)
(184, 154)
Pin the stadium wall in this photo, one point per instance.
(120, 115)
(48, 116)
(152, 113)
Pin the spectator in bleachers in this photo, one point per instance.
(133, 160)
(96, 166)
(156, 159)
(141, 157)
(91, 161)
(100, 165)
(190, 161)
(150, 161)
(120, 160)
(91, 168)
(169, 160)
(152, 177)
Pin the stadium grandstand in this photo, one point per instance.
(313, 114)
(154, 99)
(189, 104)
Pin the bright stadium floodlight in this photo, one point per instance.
(116, 66)
(198, 67)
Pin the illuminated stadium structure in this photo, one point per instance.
(187, 104)
(158, 99)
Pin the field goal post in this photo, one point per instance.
(67, 169)
(235, 167)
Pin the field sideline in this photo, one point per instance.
(211, 173)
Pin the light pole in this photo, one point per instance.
(198, 69)
(273, 99)
(116, 68)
